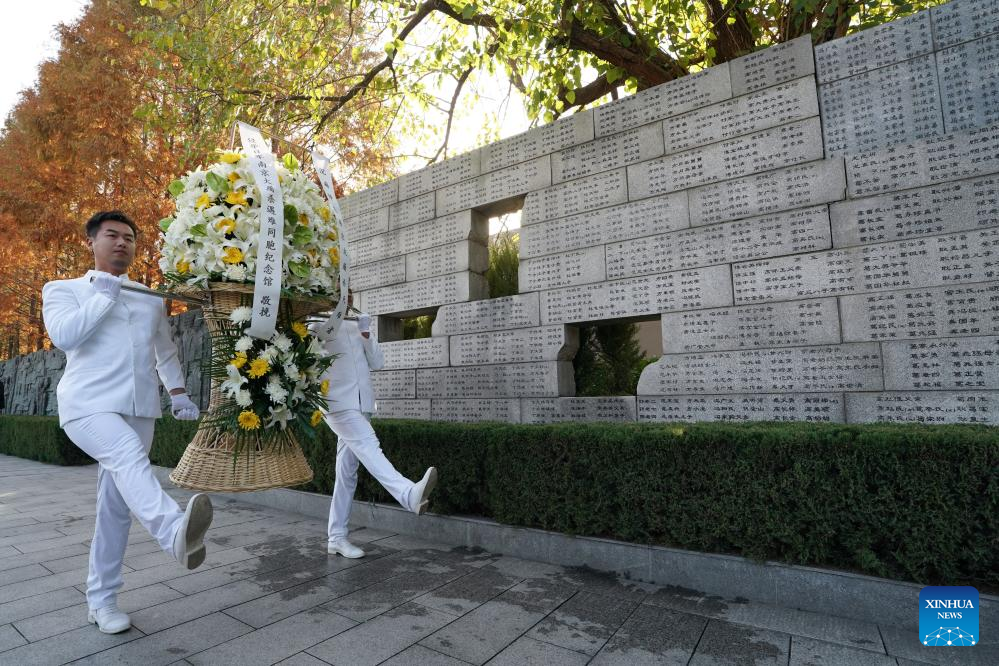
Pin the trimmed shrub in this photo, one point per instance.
(909, 502)
(39, 438)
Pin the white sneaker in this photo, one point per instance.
(345, 548)
(421, 491)
(109, 620)
(188, 544)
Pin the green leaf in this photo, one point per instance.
(468, 11)
(199, 230)
(299, 268)
(217, 182)
(301, 236)
(290, 214)
(176, 188)
(165, 223)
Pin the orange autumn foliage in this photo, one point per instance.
(72, 147)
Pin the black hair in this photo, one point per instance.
(94, 223)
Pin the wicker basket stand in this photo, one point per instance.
(208, 463)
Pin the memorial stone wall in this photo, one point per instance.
(816, 229)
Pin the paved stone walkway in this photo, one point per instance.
(268, 593)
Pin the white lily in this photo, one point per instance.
(234, 383)
(279, 416)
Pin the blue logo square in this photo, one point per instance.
(948, 616)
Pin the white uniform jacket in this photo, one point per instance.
(114, 350)
(350, 376)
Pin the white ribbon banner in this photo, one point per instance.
(270, 243)
(322, 166)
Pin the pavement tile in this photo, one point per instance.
(809, 652)
(373, 642)
(374, 600)
(39, 557)
(167, 647)
(904, 644)
(361, 535)
(585, 622)
(276, 641)
(468, 592)
(529, 652)
(17, 574)
(12, 611)
(72, 645)
(9, 639)
(30, 588)
(418, 655)
(512, 566)
(479, 635)
(15, 521)
(35, 536)
(301, 659)
(288, 602)
(727, 644)
(59, 621)
(762, 616)
(653, 636)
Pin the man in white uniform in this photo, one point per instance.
(350, 402)
(116, 342)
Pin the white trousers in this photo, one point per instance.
(357, 443)
(125, 482)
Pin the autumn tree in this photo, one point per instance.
(70, 147)
(562, 56)
(271, 63)
(109, 125)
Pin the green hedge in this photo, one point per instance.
(39, 438)
(916, 503)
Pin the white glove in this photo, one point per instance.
(183, 408)
(107, 284)
(364, 322)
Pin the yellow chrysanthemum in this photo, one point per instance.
(300, 330)
(303, 219)
(239, 360)
(236, 198)
(259, 367)
(324, 213)
(248, 420)
(233, 177)
(324, 387)
(183, 266)
(334, 255)
(226, 226)
(331, 236)
(203, 202)
(317, 416)
(231, 158)
(233, 255)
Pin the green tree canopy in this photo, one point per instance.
(315, 63)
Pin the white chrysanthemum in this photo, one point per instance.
(278, 394)
(243, 398)
(269, 354)
(292, 372)
(241, 315)
(244, 344)
(282, 342)
(236, 273)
